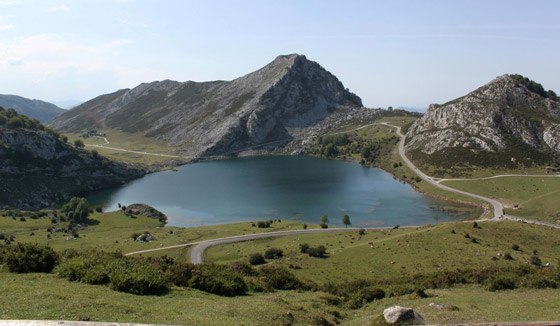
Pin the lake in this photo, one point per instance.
(300, 188)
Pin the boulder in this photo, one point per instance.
(399, 315)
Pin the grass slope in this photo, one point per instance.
(537, 197)
(382, 255)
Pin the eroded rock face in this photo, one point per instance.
(398, 314)
(483, 119)
(38, 170)
(282, 103)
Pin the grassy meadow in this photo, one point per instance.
(536, 197)
(379, 255)
(129, 141)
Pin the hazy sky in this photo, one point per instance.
(399, 53)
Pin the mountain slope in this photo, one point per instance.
(289, 97)
(507, 122)
(39, 169)
(35, 109)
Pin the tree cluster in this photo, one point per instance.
(77, 209)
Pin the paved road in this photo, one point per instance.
(502, 176)
(200, 246)
(497, 206)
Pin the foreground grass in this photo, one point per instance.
(47, 297)
(473, 304)
(537, 197)
(380, 255)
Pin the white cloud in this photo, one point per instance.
(52, 66)
(56, 9)
(7, 2)
(6, 26)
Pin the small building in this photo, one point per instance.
(549, 169)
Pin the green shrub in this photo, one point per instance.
(324, 226)
(535, 260)
(256, 259)
(280, 278)
(242, 268)
(500, 283)
(365, 295)
(180, 273)
(218, 280)
(515, 247)
(264, 224)
(92, 268)
(319, 251)
(303, 247)
(31, 257)
(273, 253)
(137, 278)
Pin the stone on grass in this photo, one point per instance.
(402, 315)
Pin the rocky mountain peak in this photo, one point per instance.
(288, 96)
(511, 109)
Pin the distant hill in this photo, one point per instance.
(39, 169)
(510, 121)
(35, 109)
(284, 102)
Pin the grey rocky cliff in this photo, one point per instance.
(487, 118)
(38, 170)
(277, 106)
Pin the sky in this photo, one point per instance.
(390, 53)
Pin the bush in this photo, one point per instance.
(273, 253)
(263, 224)
(500, 283)
(364, 296)
(256, 259)
(180, 273)
(280, 278)
(218, 280)
(99, 209)
(138, 278)
(507, 256)
(319, 251)
(303, 247)
(362, 232)
(30, 258)
(515, 247)
(324, 226)
(91, 268)
(535, 260)
(242, 268)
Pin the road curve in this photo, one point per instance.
(497, 206)
(200, 246)
(196, 253)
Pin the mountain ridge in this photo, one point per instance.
(288, 97)
(35, 109)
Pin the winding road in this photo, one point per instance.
(200, 246)
(497, 206)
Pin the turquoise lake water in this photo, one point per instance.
(298, 188)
